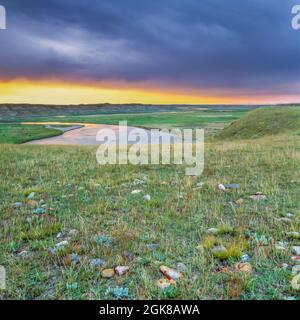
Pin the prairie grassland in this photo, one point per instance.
(21, 112)
(179, 119)
(171, 228)
(14, 133)
(212, 121)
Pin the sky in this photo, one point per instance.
(147, 51)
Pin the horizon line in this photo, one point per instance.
(147, 104)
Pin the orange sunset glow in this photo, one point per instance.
(43, 92)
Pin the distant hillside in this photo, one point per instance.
(264, 121)
(18, 112)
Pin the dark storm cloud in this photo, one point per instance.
(191, 43)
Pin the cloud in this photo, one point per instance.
(241, 45)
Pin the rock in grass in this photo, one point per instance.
(138, 182)
(284, 220)
(199, 185)
(22, 253)
(67, 261)
(165, 283)
(108, 273)
(73, 232)
(222, 187)
(71, 259)
(169, 273)
(33, 203)
(258, 196)
(136, 191)
(219, 250)
(284, 266)
(296, 250)
(239, 201)
(75, 258)
(152, 246)
(118, 292)
(295, 259)
(102, 240)
(281, 246)
(121, 270)
(17, 205)
(31, 196)
(290, 298)
(61, 244)
(232, 186)
(293, 235)
(295, 270)
(212, 231)
(244, 267)
(97, 263)
(39, 211)
(72, 286)
(147, 197)
(245, 258)
(181, 267)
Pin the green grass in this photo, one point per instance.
(97, 202)
(16, 112)
(264, 121)
(211, 121)
(183, 119)
(18, 133)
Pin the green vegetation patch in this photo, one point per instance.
(19, 133)
(264, 121)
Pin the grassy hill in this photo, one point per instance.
(264, 121)
(92, 208)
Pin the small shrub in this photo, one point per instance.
(209, 242)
